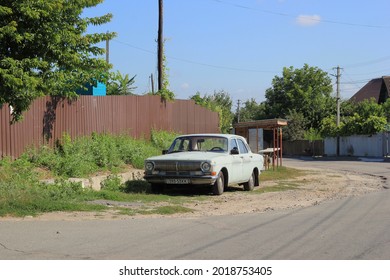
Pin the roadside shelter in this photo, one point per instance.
(253, 132)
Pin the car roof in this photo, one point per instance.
(211, 135)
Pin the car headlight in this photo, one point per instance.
(205, 166)
(149, 166)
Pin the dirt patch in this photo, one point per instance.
(309, 190)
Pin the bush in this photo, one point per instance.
(21, 192)
(162, 139)
(99, 152)
(111, 183)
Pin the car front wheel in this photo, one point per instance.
(218, 186)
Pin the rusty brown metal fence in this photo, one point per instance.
(50, 117)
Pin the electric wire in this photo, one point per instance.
(293, 16)
(200, 63)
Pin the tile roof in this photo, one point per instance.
(378, 88)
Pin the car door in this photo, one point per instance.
(246, 156)
(236, 163)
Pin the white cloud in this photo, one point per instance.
(308, 20)
(185, 86)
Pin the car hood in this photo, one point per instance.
(189, 156)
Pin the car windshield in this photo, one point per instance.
(199, 143)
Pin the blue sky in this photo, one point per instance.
(239, 46)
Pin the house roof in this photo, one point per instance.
(378, 88)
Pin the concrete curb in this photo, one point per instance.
(95, 181)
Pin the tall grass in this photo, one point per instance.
(22, 193)
(99, 152)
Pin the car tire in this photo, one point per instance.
(156, 188)
(219, 184)
(250, 185)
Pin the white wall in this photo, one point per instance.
(359, 145)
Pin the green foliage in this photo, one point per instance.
(306, 91)
(281, 173)
(162, 139)
(312, 135)
(329, 128)
(85, 155)
(251, 110)
(111, 183)
(166, 94)
(297, 124)
(22, 193)
(221, 103)
(386, 109)
(120, 85)
(46, 50)
(363, 118)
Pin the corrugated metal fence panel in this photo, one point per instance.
(5, 148)
(361, 145)
(357, 145)
(50, 117)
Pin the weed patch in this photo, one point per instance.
(281, 173)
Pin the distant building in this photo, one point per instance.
(99, 90)
(376, 88)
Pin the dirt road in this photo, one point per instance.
(315, 187)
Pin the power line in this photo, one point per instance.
(201, 63)
(374, 61)
(293, 16)
(370, 73)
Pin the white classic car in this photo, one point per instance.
(218, 160)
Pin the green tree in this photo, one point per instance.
(386, 109)
(120, 84)
(220, 102)
(251, 110)
(297, 123)
(363, 118)
(46, 51)
(306, 90)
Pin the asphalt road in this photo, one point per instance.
(352, 228)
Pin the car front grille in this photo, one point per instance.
(177, 166)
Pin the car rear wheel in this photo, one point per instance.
(219, 184)
(250, 185)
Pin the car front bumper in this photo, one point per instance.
(191, 180)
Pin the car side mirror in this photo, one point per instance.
(164, 152)
(234, 152)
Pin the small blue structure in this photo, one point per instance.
(99, 90)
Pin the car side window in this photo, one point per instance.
(233, 144)
(180, 145)
(242, 146)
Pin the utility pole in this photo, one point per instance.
(160, 52)
(152, 82)
(238, 110)
(338, 75)
(107, 49)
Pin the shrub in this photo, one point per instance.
(162, 139)
(111, 183)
